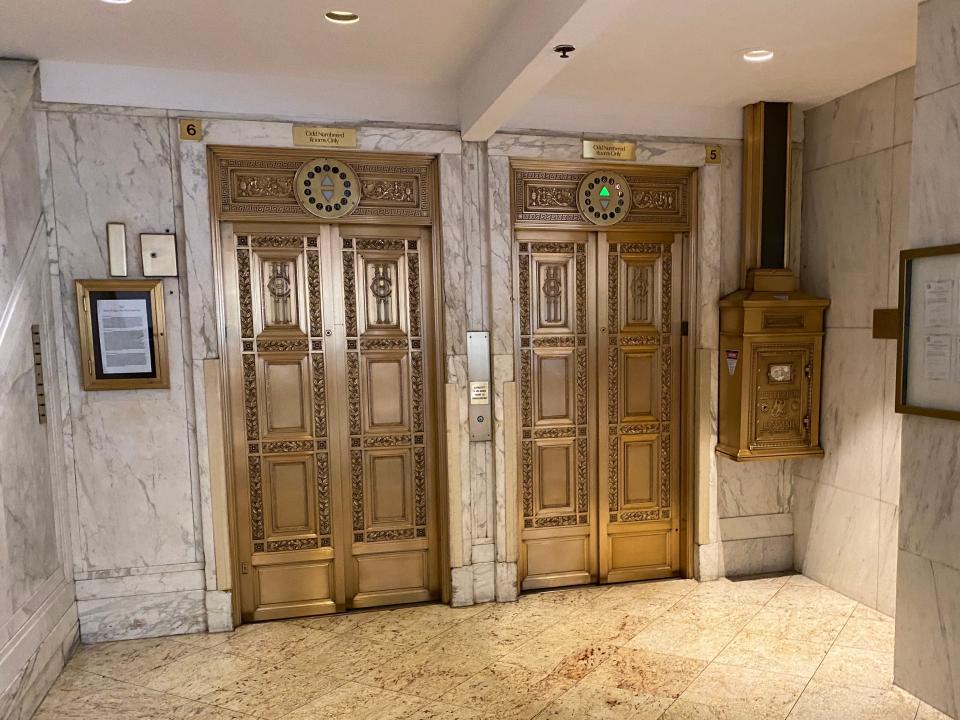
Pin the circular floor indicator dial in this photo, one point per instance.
(604, 197)
(327, 188)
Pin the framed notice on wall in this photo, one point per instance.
(122, 337)
(928, 344)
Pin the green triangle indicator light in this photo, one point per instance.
(605, 191)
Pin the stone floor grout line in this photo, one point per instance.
(820, 664)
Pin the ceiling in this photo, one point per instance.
(667, 68)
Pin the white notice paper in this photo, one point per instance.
(938, 303)
(936, 357)
(124, 336)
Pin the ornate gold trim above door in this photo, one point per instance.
(262, 184)
(547, 195)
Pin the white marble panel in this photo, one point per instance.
(751, 527)
(752, 488)
(839, 547)
(20, 200)
(850, 126)
(462, 586)
(755, 556)
(928, 631)
(706, 561)
(16, 93)
(851, 420)
(937, 30)
(846, 231)
(934, 219)
(219, 609)
(502, 301)
(899, 218)
(903, 108)
(140, 616)
(145, 584)
(134, 486)
(553, 147)
(506, 578)
(891, 429)
(887, 570)
(709, 257)
(455, 279)
(930, 493)
(503, 369)
(731, 222)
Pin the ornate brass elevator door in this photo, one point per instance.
(329, 338)
(598, 320)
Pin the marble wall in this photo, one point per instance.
(38, 616)
(755, 525)
(927, 659)
(855, 221)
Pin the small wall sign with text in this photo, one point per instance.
(713, 154)
(328, 137)
(609, 150)
(191, 129)
(732, 357)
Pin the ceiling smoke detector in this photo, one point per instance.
(564, 50)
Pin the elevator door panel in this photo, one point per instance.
(329, 382)
(597, 317)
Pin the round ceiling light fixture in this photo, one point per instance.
(116, 2)
(758, 55)
(342, 17)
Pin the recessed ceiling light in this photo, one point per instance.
(342, 17)
(758, 55)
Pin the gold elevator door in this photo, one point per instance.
(599, 362)
(329, 336)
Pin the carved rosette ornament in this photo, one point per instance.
(327, 188)
(604, 197)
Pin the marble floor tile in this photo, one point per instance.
(507, 691)
(826, 700)
(613, 626)
(271, 692)
(774, 654)
(868, 634)
(129, 659)
(797, 623)
(646, 672)
(672, 649)
(272, 641)
(587, 701)
(813, 596)
(352, 701)
(202, 672)
(402, 628)
(424, 673)
(346, 656)
(736, 692)
(570, 658)
(927, 712)
(699, 640)
(853, 666)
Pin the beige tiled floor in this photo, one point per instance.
(767, 648)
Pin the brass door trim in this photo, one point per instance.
(307, 224)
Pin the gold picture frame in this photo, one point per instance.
(928, 332)
(123, 344)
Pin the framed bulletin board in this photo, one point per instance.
(122, 338)
(928, 342)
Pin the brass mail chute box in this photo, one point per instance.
(771, 349)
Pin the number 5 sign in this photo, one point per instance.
(191, 129)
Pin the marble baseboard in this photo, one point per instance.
(928, 631)
(24, 683)
(152, 582)
(219, 605)
(706, 562)
(755, 556)
(141, 616)
(756, 526)
(484, 582)
(462, 586)
(507, 582)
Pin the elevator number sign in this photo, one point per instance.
(191, 129)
